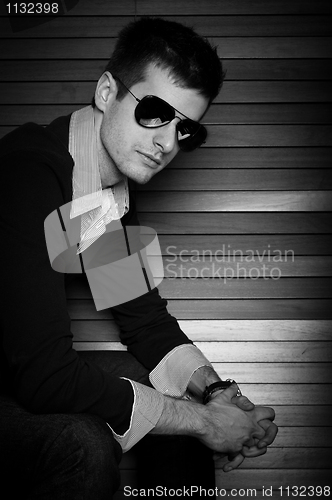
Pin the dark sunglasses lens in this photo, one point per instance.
(153, 112)
(193, 133)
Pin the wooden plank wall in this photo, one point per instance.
(244, 223)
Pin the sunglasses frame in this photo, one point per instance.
(189, 142)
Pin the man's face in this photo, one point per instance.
(137, 152)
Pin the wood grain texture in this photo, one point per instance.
(237, 223)
(219, 330)
(284, 308)
(234, 287)
(268, 352)
(228, 7)
(257, 157)
(247, 266)
(228, 48)
(229, 245)
(236, 201)
(237, 69)
(230, 25)
(268, 135)
(73, 92)
(240, 179)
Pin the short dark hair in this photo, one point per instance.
(190, 58)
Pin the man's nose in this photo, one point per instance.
(166, 137)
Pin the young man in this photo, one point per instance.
(64, 416)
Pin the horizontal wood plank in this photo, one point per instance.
(257, 157)
(240, 179)
(268, 135)
(274, 92)
(251, 309)
(229, 287)
(219, 330)
(228, 48)
(258, 113)
(227, 7)
(237, 223)
(276, 69)
(224, 309)
(267, 352)
(229, 245)
(301, 415)
(245, 267)
(283, 373)
(236, 201)
(248, 288)
(231, 25)
(78, 92)
(245, 352)
(237, 69)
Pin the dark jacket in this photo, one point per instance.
(38, 364)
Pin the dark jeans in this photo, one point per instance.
(76, 457)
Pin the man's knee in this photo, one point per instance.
(58, 456)
(85, 453)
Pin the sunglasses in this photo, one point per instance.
(153, 112)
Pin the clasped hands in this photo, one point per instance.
(250, 430)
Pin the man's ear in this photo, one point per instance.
(106, 91)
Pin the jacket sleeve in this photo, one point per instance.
(47, 374)
(146, 327)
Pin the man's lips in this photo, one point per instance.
(150, 160)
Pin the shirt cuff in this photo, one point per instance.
(147, 409)
(172, 374)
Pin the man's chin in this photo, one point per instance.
(140, 179)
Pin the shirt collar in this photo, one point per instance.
(111, 203)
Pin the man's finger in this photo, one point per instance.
(230, 392)
(271, 431)
(253, 451)
(233, 462)
(243, 402)
(264, 412)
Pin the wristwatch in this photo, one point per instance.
(217, 386)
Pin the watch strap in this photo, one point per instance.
(216, 386)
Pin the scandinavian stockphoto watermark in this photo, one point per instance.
(226, 263)
(121, 263)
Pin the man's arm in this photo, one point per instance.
(46, 372)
